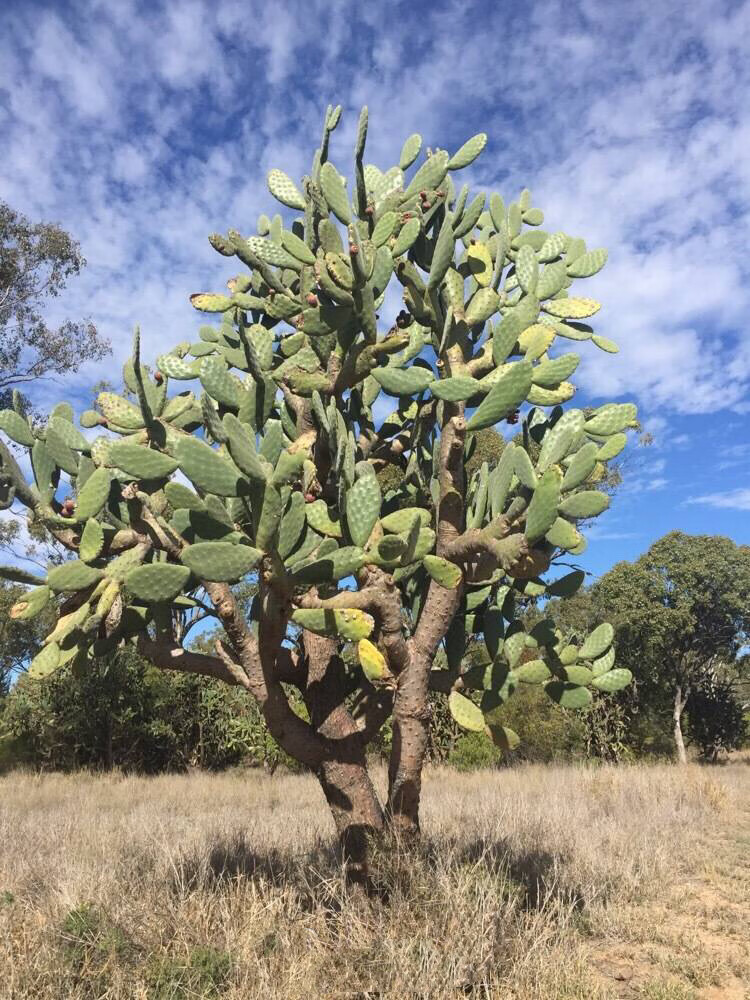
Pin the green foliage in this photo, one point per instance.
(716, 720)
(204, 973)
(472, 751)
(36, 261)
(125, 713)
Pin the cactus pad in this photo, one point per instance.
(220, 562)
(346, 623)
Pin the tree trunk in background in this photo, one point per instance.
(679, 704)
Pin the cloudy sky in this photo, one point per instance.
(142, 127)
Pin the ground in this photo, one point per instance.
(533, 883)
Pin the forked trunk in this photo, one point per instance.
(679, 704)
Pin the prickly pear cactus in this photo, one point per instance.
(259, 447)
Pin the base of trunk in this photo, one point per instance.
(356, 812)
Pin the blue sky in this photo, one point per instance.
(141, 128)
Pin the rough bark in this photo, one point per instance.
(411, 713)
(342, 772)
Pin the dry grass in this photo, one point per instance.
(532, 883)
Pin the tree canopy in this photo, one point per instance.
(681, 611)
(36, 261)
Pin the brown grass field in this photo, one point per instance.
(535, 882)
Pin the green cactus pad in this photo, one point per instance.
(613, 680)
(73, 575)
(208, 470)
(241, 441)
(505, 396)
(219, 384)
(611, 447)
(92, 541)
(406, 237)
(157, 582)
(283, 188)
(468, 152)
(568, 695)
(410, 151)
(140, 461)
(542, 511)
(612, 418)
(384, 228)
(552, 247)
(603, 663)
(46, 661)
(93, 494)
(455, 389)
(605, 344)
(466, 713)
(539, 396)
(291, 525)
(443, 572)
(120, 411)
(597, 642)
(363, 508)
(31, 604)
(403, 381)
(559, 439)
(205, 302)
(334, 193)
(391, 550)
(178, 368)
(16, 427)
(587, 264)
(346, 623)
(588, 503)
(566, 586)
(442, 255)
(343, 562)
(401, 520)
(63, 457)
(430, 175)
(533, 672)
(513, 647)
(319, 517)
(483, 304)
(523, 468)
(551, 373)
(581, 467)
(527, 269)
(180, 497)
(572, 308)
(68, 434)
(578, 674)
(220, 562)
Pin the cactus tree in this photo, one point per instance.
(282, 415)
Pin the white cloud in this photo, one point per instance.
(142, 130)
(738, 499)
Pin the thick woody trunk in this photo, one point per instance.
(343, 770)
(411, 707)
(679, 704)
(411, 732)
(355, 809)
